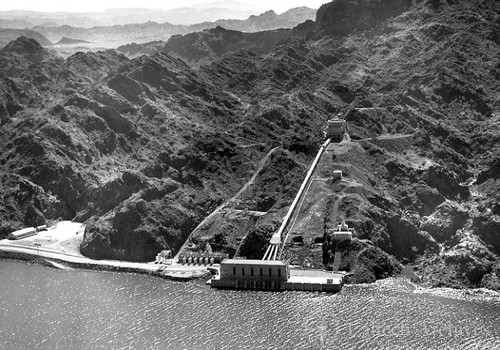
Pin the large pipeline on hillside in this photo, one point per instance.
(275, 242)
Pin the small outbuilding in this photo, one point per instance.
(23, 233)
(163, 256)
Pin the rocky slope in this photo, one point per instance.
(144, 149)
(96, 135)
(69, 41)
(268, 20)
(421, 93)
(212, 44)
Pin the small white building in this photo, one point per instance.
(23, 233)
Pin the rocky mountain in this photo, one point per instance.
(142, 37)
(69, 41)
(8, 35)
(15, 23)
(206, 46)
(120, 16)
(134, 50)
(113, 36)
(268, 20)
(211, 44)
(117, 35)
(340, 17)
(143, 150)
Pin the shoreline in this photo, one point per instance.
(180, 274)
(186, 273)
(171, 272)
(60, 244)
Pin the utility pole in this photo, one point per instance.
(37, 245)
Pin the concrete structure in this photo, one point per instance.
(164, 257)
(337, 174)
(201, 258)
(336, 129)
(252, 274)
(275, 248)
(25, 232)
(332, 283)
(273, 275)
(342, 232)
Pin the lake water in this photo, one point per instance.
(44, 308)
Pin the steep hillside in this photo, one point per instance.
(134, 50)
(211, 44)
(269, 20)
(421, 92)
(96, 134)
(144, 149)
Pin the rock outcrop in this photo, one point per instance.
(341, 17)
(142, 150)
(212, 44)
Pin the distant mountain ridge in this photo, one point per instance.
(162, 31)
(268, 20)
(15, 23)
(69, 41)
(47, 31)
(8, 35)
(116, 16)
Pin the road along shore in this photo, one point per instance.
(59, 247)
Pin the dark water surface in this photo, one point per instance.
(44, 308)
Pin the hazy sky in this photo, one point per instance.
(100, 5)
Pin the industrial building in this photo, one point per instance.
(273, 275)
(252, 274)
(336, 129)
(342, 232)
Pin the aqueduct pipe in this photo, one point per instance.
(276, 238)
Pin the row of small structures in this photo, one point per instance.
(165, 257)
(201, 260)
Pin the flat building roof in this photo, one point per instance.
(253, 262)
